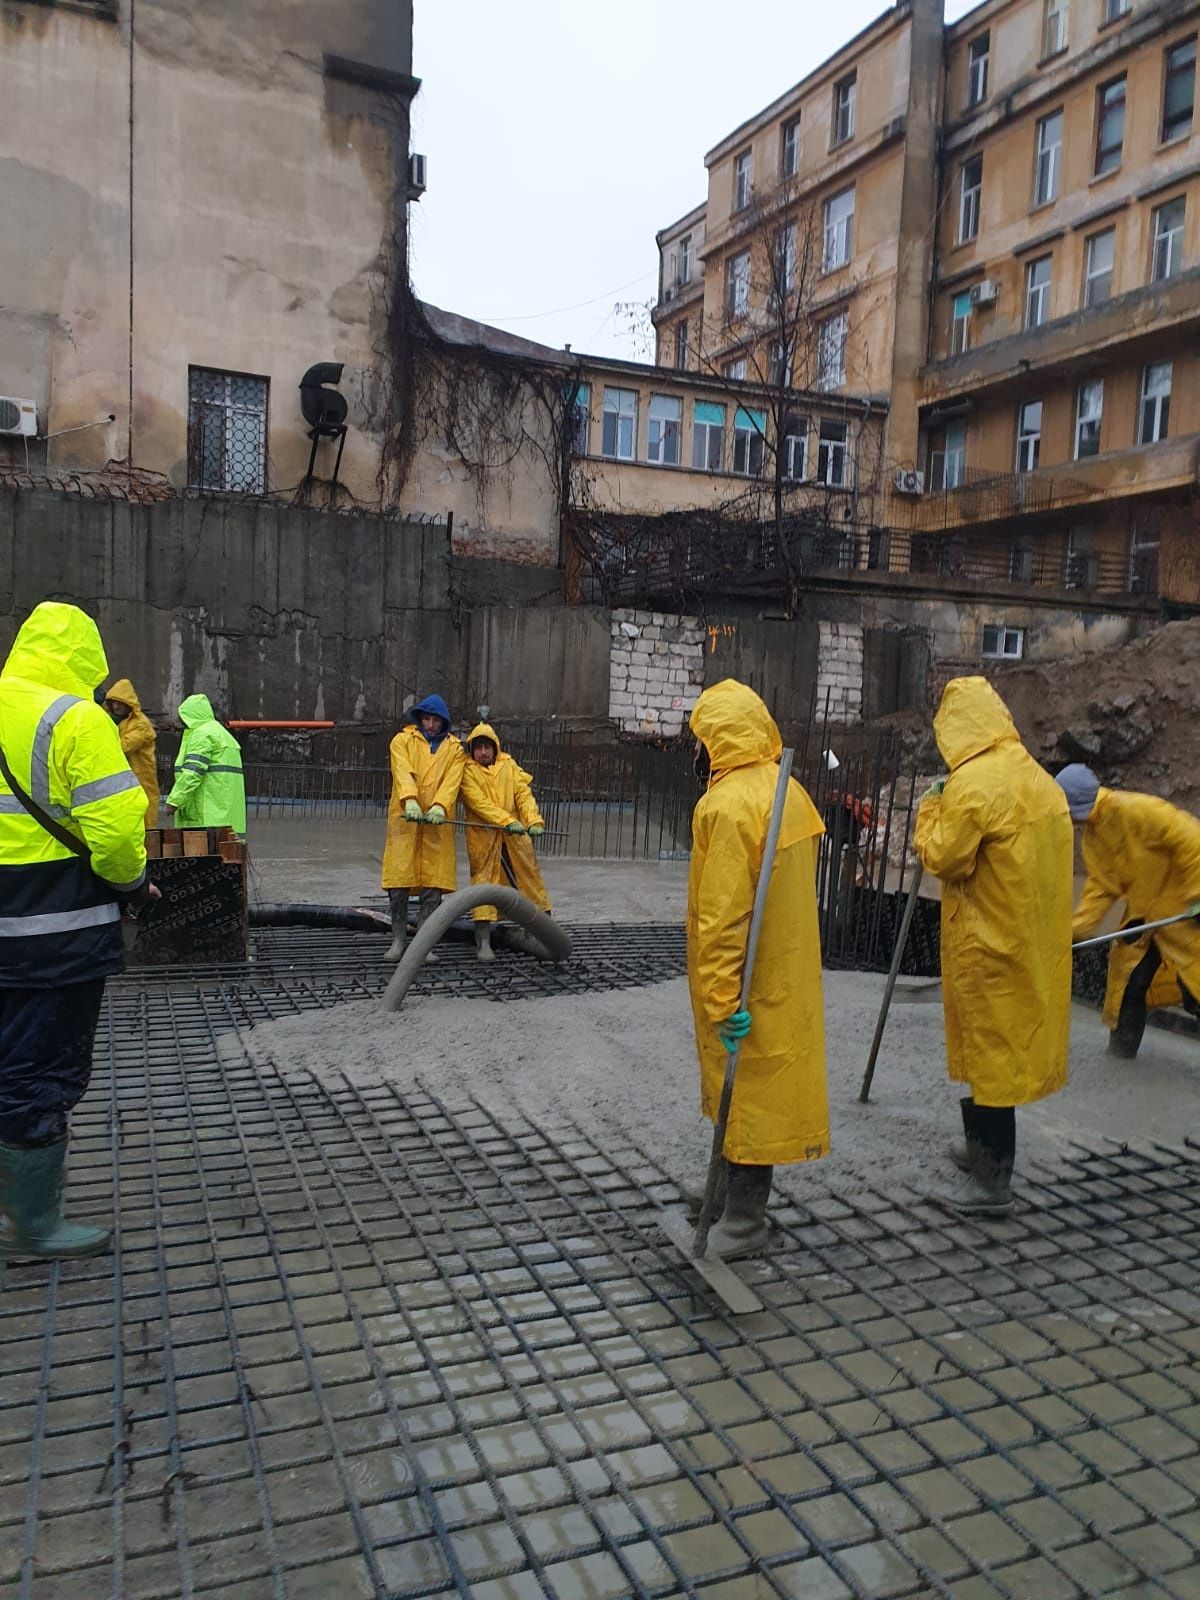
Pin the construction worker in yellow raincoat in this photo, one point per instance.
(1146, 852)
(780, 1110)
(496, 791)
(997, 834)
(427, 765)
(138, 741)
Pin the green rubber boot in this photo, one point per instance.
(32, 1227)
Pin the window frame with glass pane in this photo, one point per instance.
(1001, 634)
(681, 346)
(1110, 126)
(1155, 407)
(838, 237)
(227, 430)
(581, 419)
(789, 147)
(743, 180)
(1056, 12)
(683, 272)
(795, 435)
(835, 376)
(960, 319)
(1178, 124)
(1029, 439)
(734, 370)
(749, 442)
(783, 271)
(946, 468)
(970, 198)
(1113, 11)
(737, 285)
(1167, 257)
(1039, 283)
(1089, 418)
(833, 451)
(708, 436)
(1047, 160)
(1091, 277)
(624, 421)
(664, 430)
(845, 98)
(979, 53)
(779, 364)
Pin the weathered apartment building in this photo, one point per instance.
(1001, 226)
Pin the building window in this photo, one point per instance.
(1168, 239)
(1143, 558)
(1113, 11)
(795, 447)
(1049, 159)
(845, 93)
(735, 370)
(749, 435)
(978, 57)
(1054, 29)
(970, 199)
(839, 230)
(1089, 408)
(1020, 561)
(1079, 561)
(708, 436)
(620, 424)
(1037, 292)
(1029, 436)
(685, 260)
(1001, 643)
(665, 427)
(1179, 91)
(737, 284)
(947, 458)
(831, 351)
(1110, 125)
(1156, 403)
(784, 265)
(227, 431)
(831, 454)
(681, 346)
(779, 366)
(1098, 267)
(960, 323)
(580, 419)
(789, 148)
(742, 172)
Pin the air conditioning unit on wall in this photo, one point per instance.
(908, 481)
(985, 293)
(18, 417)
(416, 176)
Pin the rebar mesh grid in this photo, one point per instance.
(360, 1343)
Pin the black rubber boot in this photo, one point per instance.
(398, 903)
(428, 900)
(483, 941)
(1126, 1038)
(959, 1150)
(32, 1226)
(983, 1187)
(743, 1229)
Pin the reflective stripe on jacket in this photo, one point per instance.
(59, 915)
(209, 789)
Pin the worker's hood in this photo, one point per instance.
(972, 718)
(484, 730)
(59, 645)
(734, 726)
(124, 691)
(432, 706)
(197, 708)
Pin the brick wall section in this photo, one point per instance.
(840, 670)
(656, 671)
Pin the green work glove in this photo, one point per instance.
(536, 830)
(412, 811)
(436, 815)
(1193, 910)
(934, 788)
(514, 827)
(734, 1029)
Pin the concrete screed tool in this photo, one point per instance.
(737, 1295)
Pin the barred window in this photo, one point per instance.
(227, 431)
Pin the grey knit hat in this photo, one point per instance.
(1081, 786)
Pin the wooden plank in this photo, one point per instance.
(232, 850)
(153, 844)
(195, 842)
(172, 849)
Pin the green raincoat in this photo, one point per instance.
(209, 790)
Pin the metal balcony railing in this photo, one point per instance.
(1040, 564)
(980, 496)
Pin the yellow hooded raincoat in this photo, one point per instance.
(1146, 852)
(501, 794)
(999, 838)
(780, 1110)
(417, 855)
(138, 740)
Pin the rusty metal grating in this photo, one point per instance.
(361, 1344)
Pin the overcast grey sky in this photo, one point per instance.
(562, 134)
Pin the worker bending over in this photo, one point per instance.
(997, 834)
(209, 789)
(499, 793)
(427, 767)
(780, 1111)
(72, 851)
(1146, 852)
(138, 741)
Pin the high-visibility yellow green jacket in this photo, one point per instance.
(209, 790)
(999, 838)
(500, 794)
(59, 915)
(780, 1109)
(416, 855)
(138, 740)
(1145, 851)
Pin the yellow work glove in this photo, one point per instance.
(435, 814)
(412, 811)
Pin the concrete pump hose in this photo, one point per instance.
(553, 939)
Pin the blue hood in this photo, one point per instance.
(433, 705)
